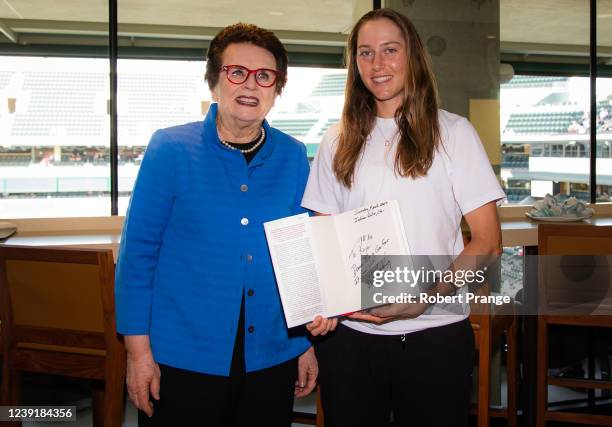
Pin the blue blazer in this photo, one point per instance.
(193, 243)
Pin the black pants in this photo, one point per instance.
(424, 378)
(260, 398)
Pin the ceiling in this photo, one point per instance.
(311, 15)
(545, 25)
(560, 22)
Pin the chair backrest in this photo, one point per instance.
(57, 297)
(574, 239)
(575, 269)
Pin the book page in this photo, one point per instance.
(340, 296)
(317, 261)
(293, 260)
(372, 230)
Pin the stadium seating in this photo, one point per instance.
(533, 81)
(155, 101)
(65, 103)
(326, 126)
(5, 78)
(515, 161)
(543, 122)
(294, 127)
(515, 195)
(330, 85)
(61, 104)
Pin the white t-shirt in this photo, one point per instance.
(460, 180)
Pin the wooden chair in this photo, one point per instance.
(558, 280)
(3, 366)
(315, 419)
(490, 323)
(58, 317)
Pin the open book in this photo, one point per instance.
(317, 260)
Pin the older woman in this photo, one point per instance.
(196, 295)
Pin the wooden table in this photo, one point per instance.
(517, 231)
(89, 239)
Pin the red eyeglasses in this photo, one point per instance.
(238, 74)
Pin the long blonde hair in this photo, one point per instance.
(417, 118)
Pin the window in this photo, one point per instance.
(604, 138)
(60, 164)
(55, 105)
(547, 121)
(55, 156)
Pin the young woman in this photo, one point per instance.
(394, 143)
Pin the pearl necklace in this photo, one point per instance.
(246, 150)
